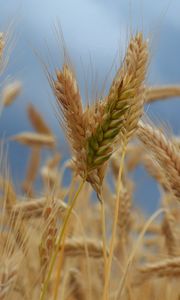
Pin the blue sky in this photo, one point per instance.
(96, 33)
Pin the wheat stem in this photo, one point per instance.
(59, 265)
(115, 222)
(134, 250)
(59, 268)
(59, 241)
(103, 224)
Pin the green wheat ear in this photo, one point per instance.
(123, 106)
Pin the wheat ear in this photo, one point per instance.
(76, 247)
(34, 208)
(170, 233)
(124, 215)
(32, 139)
(38, 121)
(32, 171)
(169, 267)
(123, 106)
(74, 121)
(47, 244)
(154, 170)
(8, 275)
(165, 154)
(60, 238)
(76, 287)
(10, 92)
(121, 110)
(71, 113)
(162, 92)
(103, 122)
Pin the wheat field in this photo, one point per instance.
(88, 240)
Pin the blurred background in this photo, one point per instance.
(96, 34)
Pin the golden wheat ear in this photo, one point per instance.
(8, 275)
(37, 121)
(169, 267)
(165, 153)
(71, 113)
